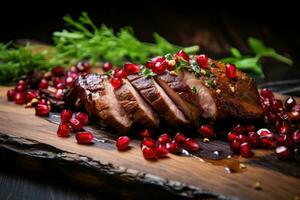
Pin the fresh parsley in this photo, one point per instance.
(147, 73)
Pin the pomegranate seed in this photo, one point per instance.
(242, 138)
(150, 64)
(191, 145)
(148, 153)
(282, 116)
(83, 67)
(29, 95)
(245, 150)
(70, 81)
(120, 73)
(60, 86)
(65, 115)
(276, 105)
(181, 55)
(180, 138)
(254, 139)
(231, 136)
(63, 130)
(235, 146)
(206, 131)
(296, 108)
(230, 71)
(22, 82)
(267, 103)
(131, 68)
(10, 95)
(239, 129)
(296, 136)
(266, 93)
(58, 80)
(145, 133)
(267, 143)
(272, 118)
(289, 103)
(202, 61)
(283, 128)
(20, 88)
(58, 71)
(43, 84)
(42, 110)
(122, 143)
(265, 133)
(84, 137)
(283, 152)
(75, 124)
(82, 117)
(173, 147)
(59, 94)
(164, 138)
(249, 128)
(116, 82)
(107, 66)
(283, 140)
(148, 142)
(43, 102)
(160, 67)
(19, 98)
(161, 151)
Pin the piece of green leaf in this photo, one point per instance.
(235, 52)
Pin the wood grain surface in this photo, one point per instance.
(34, 138)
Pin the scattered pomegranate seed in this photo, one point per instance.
(289, 103)
(191, 145)
(181, 55)
(160, 67)
(75, 124)
(266, 93)
(120, 73)
(84, 137)
(56, 81)
(276, 105)
(180, 138)
(65, 115)
(10, 95)
(296, 136)
(283, 140)
(69, 81)
(296, 108)
(148, 153)
(282, 116)
(202, 61)
(150, 64)
(230, 71)
(61, 86)
(206, 131)
(164, 138)
(59, 94)
(43, 84)
(161, 151)
(265, 133)
(107, 66)
(148, 142)
(145, 133)
(254, 139)
(116, 82)
(43, 101)
(122, 143)
(29, 95)
(131, 68)
(22, 82)
(283, 152)
(283, 128)
(242, 138)
(267, 143)
(249, 128)
(82, 117)
(19, 98)
(232, 136)
(239, 129)
(63, 130)
(245, 150)
(20, 88)
(42, 110)
(58, 71)
(173, 147)
(235, 146)
(83, 67)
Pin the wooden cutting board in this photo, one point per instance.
(28, 140)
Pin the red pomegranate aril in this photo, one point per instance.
(242, 138)
(58, 71)
(245, 150)
(161, 151)
(231, 136)
(150, 64)
(22, 82)
(191, 145)
(265, 133)
(266, 93)
(249, 128)
(63, 130)
(290, 103)
(276, 105)
(173, 147)
(59, 94)
(164, 138)
(75, 124)
(43, 84)
(202, 61)
(148, 142)
(296, 108)
(181, 55)
(10, 95)
(20, 88)
(148, 153)
(283, 152)
(145, 133)
(296, 136)
(65, 115)
(160, 67)
(206, 131)
(84, 137)
(283, 128)
(131, 68)
(83, 67)
(19, 98)
(29, 95)
(272, 118)
(123, 143)
(267, 143)
(239, 129)
(254, 139)
(61, 86)
(43, 101)
(282, 116)
(42, 110)
(283, 140)
(180, 138)
(230, 71)
(107, 66)
(116, 82)
(82, 117)
(120, 73)
(235, 146)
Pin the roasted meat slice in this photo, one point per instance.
(221, 97)
(135, 106)
(96, 94)
(182, 95)
(158, 99)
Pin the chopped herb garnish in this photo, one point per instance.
(169, 56)
(109, 72)
(194, 90)
(147, 73)
(210, 83)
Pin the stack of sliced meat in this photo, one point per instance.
(180, 99)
